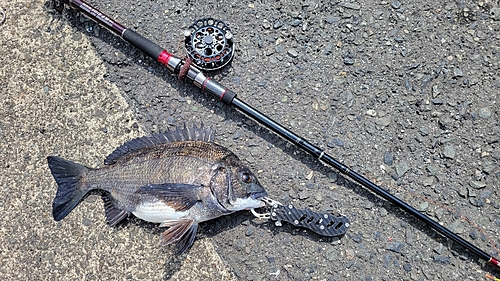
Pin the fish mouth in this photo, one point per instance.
(259, 195)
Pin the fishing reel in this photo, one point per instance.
(209, 44)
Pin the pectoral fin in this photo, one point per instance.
(181, 232)
(181, 197)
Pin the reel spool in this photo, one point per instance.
(209, 43)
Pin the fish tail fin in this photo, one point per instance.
(69, 192)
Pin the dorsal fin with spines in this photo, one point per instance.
(177, 135)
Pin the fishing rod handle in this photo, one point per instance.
(156, 52)
(140, 42)
(97, 16)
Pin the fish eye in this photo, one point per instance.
(246, 178)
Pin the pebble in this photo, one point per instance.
(241, 244)
(495, 13)
(387, 260)
(86, 221)
(435, 91)
(331, 254)
(426, 80)
(295, 22)
(407, 84)
(266, 24)
(449, 151)
(250, 230)
(432, 170)
(262, 83)
(383, 212)
(457, 72)
(293, 53)
(357, 238)
(338, 142)
(237, 135)
(388, 158)
(437, 101)
(277, 24)
(270, 259)
(383, 121)
(318, 197)
(441, 259)
(428, 181)
(370, 128)
(407, 267)
(438, 249)
(304, 195)
(333, 176)
(349, 5)
(488, 167)
(472, 192)
(408, 236)
(477, 184)
(396, 247)
(463, 192)
(396, 4)
(424, 131)
(485, 113)
(371, 112)
(332, 19)
(456, 227)
(439, 213)
(349, 254)
(485, 193)
(402, 168)
(423, 206)
(348, 61)
(478, 202)
(328, 49)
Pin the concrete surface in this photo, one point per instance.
(54, 101)
(405, 92)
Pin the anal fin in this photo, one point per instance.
(113, 214)
(181, 232)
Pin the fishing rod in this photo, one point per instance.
(188, 71)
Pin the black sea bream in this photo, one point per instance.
(178, 179)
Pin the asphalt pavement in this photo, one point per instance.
(404, 92)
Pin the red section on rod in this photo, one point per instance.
(164, 57)
(494, 262)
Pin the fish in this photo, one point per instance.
(178, 179)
